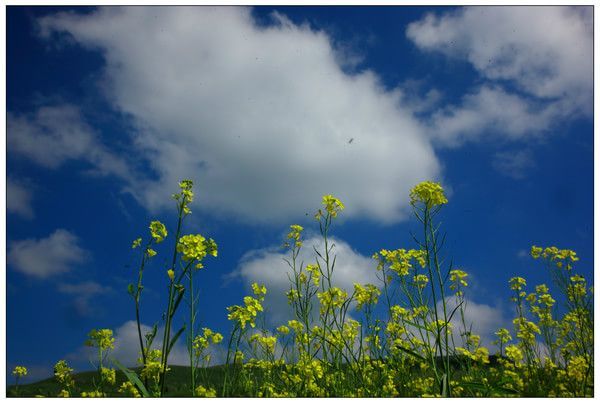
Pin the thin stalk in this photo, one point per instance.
(167, 332)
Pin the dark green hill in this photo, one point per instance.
(178, 381)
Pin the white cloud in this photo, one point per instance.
(260, 117)
(513, 163)
(489, 111)
(18, 199)
(267, 267)
(56, 134)
(543, 52)
(46, 257)
(127, 347)
(83, 293)
(481, 319)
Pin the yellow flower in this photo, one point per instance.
(332, 298)
(136, 243)
(429, 193)
(421, 280)
(283, 329)
(332, 205)
(171, 274)
(365, 295)
(102, 338)
(517, 283)
(315, 273)
(401, 260)
(503, 336)
(158, 231)
(259, 290)
(201, 391)
(63, 393)
(19, 371)
(108, 375)
(129, 389)
(196, 247)
(457, 277)
(514, 353)
(295, 234)
(62, 373)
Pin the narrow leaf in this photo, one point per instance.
(174, 339)
(133, 378)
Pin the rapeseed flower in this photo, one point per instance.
(517, 283)
(196, 247)
(283, 329)
(158, 231)
(429, 193)
(332, 205)
(62, 373)
(129, 389)
(102, 338)
(19, 371)
(108, 376)
(295, 235)
(365, 295)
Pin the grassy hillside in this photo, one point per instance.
(177, 383)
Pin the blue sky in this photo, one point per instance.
(108, 108)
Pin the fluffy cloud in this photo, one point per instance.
(481, 319)
(46, 257)
(127, 347)
(261, 117)
(268, 267)
(492, 111)
(551, 69)
(82, 293)
(18, 199)
(56, 134)
(513, 163)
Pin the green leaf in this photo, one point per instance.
(445, 385)
(150, 336)
(410, 352)
(133, 378)
(174, 339)
(177, 302)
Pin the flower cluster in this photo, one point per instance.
(332, 205)
(429, 193)
(294, 235)
(19, 371)
(517, 283)
(196, 247)
(186, 196)
(158, 231)
(201, 391)
(108, 376)
(201, 342)
(332, 298)
(62, 373)
(365, 295)
(153, 367)
(267, 343)
(129, 389)
(400, 260)
(252, 306)
(101, 338)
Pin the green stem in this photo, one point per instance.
(167, 332)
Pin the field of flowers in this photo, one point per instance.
(338, 343)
